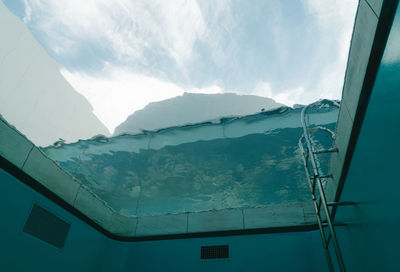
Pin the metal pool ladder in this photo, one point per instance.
(319, 199)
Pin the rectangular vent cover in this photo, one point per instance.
(47, 227)
(214, 252)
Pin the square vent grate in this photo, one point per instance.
(47, 227)
(214, 252)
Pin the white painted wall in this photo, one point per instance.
(34, 96)
(192, 108)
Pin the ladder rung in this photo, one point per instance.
(342, 203)
(326, 150)
(316, 179)
(322, 177)
(326, 176)
(334, 224)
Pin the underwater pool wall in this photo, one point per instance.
(367, 45)
(293, 251)
(366, 169)
(86, 249)
(38, 170)
(28, 177)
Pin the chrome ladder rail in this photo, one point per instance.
(315, 180)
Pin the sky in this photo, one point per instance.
(123, 54)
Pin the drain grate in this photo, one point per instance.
(214, 252)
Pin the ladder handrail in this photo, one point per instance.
(313, 180)
(319, 221)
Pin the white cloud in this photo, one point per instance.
(263, 89)
(128, 27)
(219, 17)
(336, 15)
(118, 92)
(28, 12)
(293, 96)
(287, 97)
(336, 19)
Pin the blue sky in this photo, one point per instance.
(124, 54)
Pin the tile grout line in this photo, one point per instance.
(27, 156)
